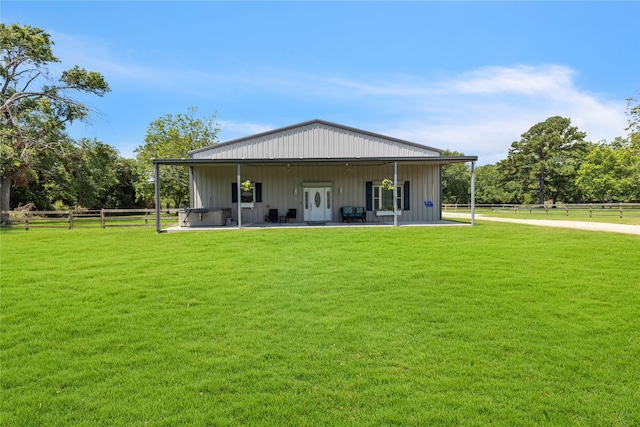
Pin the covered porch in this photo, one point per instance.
(316, 189)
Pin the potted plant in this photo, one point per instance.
(387, 184)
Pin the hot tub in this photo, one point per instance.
(203, 217)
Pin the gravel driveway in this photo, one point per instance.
(580, 225)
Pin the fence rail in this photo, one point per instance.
(87, 218)
(103, 218)
(619, 210)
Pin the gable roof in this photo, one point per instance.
(315, 139)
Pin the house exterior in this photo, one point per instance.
(316, 168)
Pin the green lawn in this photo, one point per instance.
(497, 324)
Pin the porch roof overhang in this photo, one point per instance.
(435, 160)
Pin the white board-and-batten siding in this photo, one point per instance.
(316, 140)
(282, 188)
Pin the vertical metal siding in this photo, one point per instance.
(212, 188)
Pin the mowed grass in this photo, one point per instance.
(497, 324)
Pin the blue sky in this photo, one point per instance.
(467, 76)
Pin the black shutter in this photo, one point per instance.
(407, 202)
(258, 187)
(234, 192)
(369, 195)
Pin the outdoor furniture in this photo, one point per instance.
(273, 216)
(349, 213)
(292, 214)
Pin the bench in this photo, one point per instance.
(349, 213)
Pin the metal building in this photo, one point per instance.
(312, 171)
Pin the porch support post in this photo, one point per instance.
(473, 193)
(239, 199)
(156, 177)
(395, 194)
(191, 193)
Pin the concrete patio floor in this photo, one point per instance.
(257, 226)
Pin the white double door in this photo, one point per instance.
(317, 203)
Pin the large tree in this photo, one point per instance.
(172, 137)
(546, 160)
(35, 106)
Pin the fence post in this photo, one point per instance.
(146, 217)
(620, 209)
(546, 209)
(102, 218)
(26, 222)
(70, 219)
(566, 208)
(590, 210)
(515, 208)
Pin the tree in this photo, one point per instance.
(90, 174)
(123, 195)
(492, 187)
(95, 173)
(456, 181)
(35, 107)
(172, 137)
(610, 173)
(546, 160)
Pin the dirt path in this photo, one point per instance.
(580, 225)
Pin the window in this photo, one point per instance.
(383, 199)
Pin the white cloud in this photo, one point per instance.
(483, 111)
(552, 80)
(231, 129)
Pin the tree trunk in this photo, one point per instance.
(541, 189)
(5, 199)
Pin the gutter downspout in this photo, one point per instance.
(239, 199)
(473, 193)
(156, 177)
(395, 194)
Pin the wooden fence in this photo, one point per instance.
(88, 218)
(620, 210)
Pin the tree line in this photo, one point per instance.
(41, 164)
(552, 162)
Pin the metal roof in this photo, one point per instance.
(315, 139)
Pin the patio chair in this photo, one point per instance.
(292, 214)
(273, 215)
